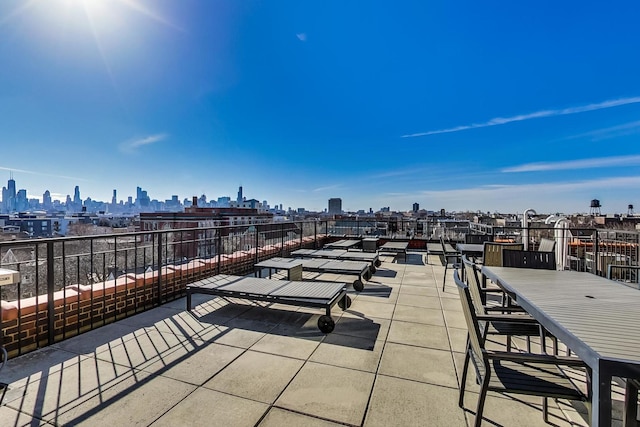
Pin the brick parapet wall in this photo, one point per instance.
(80, 308)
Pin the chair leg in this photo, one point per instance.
(444, 279)
(463, 380)
(481, 399)
(545, 409)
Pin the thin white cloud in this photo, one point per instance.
(602, 162)
(561, 196)
(610, 132)
(535, 115)
(302, 37)
(134, 144)
(327, 188)
(398, 173)
(539, 188)
(4, 168)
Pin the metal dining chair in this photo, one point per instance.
(529, 259)
(502, 320)
(451, 258)
(509, 372)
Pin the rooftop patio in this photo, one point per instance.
(394, 358)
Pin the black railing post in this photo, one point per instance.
(257, 241)
(159, 249)
(315, 234)
(50, 290)
(219, 248)
(281, 239)
(301, 234)
(596, 258)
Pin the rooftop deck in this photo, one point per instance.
(394, 358)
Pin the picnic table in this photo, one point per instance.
(596, 318)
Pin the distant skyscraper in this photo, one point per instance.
(240, 197)
(335, 206)
(114, 199)
(76, 196)
(46, 200)
(142, 198)
(224, 201)
(416, 207)
(9, 198)
(22, 204)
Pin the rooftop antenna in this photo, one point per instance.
(595, 207)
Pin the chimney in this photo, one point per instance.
(195, 201)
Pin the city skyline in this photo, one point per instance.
(461, 107)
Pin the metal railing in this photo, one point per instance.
(73, 284)
(585, 249)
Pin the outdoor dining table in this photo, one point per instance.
(595, 317)
(470, 249)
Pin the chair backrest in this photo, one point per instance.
(473, 282)
(477, 238)
(529, 259)
(492, 253)
(547, 245)
(476, 340)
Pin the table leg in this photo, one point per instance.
(630, 404)
(601, 398)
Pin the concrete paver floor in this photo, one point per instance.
(394, 358)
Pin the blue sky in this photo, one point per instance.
(461, 105)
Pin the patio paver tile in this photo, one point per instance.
(210, 407)
(419, 301)
(256, 376)
(329, 392)
(427, 316)
(279, 417)
(417, 334)
(195, 365)
(349, 352)
(402, 402)
(418, 364)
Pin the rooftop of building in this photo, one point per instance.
(394, 358)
